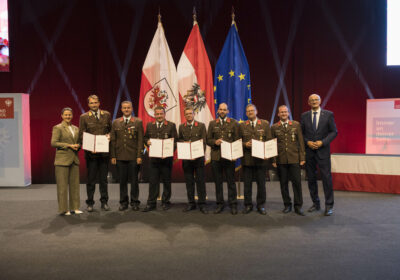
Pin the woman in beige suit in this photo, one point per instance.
(65, 139)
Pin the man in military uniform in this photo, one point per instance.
(191, 131)
(291, 154)
(159, 167)
(126, 153)
(97, 122)
(223, 129)
(257, 129)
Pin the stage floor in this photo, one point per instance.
(360, 241)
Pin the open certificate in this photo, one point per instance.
(161, 148)
(95, 143)
(232, 151)
(190, 150)
(264, 150)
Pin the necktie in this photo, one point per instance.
(285, 125)
(158, 125)
(314, 121)
(190, 126)
(253, 125)
(95, 115)
(126, 121)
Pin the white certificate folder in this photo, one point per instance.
(232, 151)
(264, 150)
(161, 148)
(95, 143)
(190, 151)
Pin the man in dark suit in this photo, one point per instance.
(97, 122)
(319, 129)
(160, 167)
(223, 129)
(126, 153)
(191, 131)
(260, 130)
(291, 154)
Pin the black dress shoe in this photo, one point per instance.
(328, 212)
(234, 210)
(135, 207)
(247, 210)
(123, 207)
(314, 207)
(203, 210)
(299, 211)
(89, 208)
(190, 207)
(219, 209)
(105, 207)
(148, 208)
(288, 208)
(262, 211)
(166, 206)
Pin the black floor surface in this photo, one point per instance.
(360, 241)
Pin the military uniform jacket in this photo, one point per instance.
(90, 124)
(261, 132)
(60, 139)
(290, 143)
(197, 132)
(127, 139)
(229, 132)
(167, 130)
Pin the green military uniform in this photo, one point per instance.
(126, 146)
(194, 169)
(96, 162)
(290, 152)
(254, 167)
(227, 130)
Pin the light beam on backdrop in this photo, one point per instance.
(50, 50)
(122, 71)
(281, 68)
(336, 30)
(344, 66)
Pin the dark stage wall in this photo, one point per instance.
(62, 51)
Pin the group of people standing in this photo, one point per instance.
(305, 143)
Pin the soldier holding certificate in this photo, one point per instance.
(126, 153)
(97, 122)
(257, 129)
(159, 167)
(291, 154)
(223, 129)
(191, 131)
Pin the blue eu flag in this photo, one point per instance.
(232, 77)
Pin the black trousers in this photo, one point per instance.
(228, 167)
(160, 169)
(325, 168)
(290, 172)
(97, 165)
(194, 173)
(128, 169)
(257, 172)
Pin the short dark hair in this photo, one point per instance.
(93, 96)
(66, 109)
(251, 105)
(188, 108)
(159, 108)
(126, 102)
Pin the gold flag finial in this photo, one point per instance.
(233, 15)
(194, 16)
(159, 14)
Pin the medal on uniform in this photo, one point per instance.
(293, 137)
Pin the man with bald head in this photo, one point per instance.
(319, 129)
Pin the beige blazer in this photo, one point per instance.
(60, 139)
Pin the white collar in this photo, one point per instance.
(318, 111)
(127, 118)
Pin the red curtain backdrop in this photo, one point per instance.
(63, 50)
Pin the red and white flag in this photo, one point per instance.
(195, 79)
(159, 85)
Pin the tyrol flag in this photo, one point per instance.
(195, 80)
(232, 77)
(159, 85)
